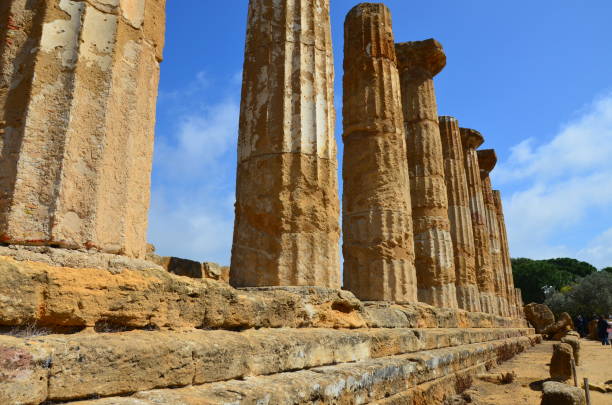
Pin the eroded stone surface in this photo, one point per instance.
(471, 140)
(418, 63)
(85, 365)
(378, 245)
(515, 309)
(487, 159)
(561, 362)
(287, 209)
(37, 293)
(78, 90)
(347, 383)
(540, 316)
(462, 232)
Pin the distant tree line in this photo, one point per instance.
(565, 285)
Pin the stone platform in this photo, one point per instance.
(144, 336)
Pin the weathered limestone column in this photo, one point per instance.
(487, 159)
(78, 89)
(468, 296)
(418, 63)
(378, 245)
(471, 140)
(287, 230)
(520, 302)
(505, 251)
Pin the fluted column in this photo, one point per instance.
(78, 89)
(471, 140)
(418, 63)
(468, 296)
(520, 302)
(378, 245)
(487, 159)
(286, 229)
(505, 252)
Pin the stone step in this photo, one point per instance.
(389, 380)
(77, 298)
(70, 367)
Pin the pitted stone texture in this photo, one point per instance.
(78, 91)
(418, 63)
(515, 310)
(286, 230)
(378, 245)
(62, 297)
(471, 140)
(561, 362)
(487, 159)
(556, 393)
(85, 365)
(540, 316)
(342, 384)
(462, 232)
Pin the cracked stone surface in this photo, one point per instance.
(78, 89)
(286, 228)
(418, 63)
(462, 232)
(487, 159)
(378, 245)
(471, 140)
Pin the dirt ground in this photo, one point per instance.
(531, 369)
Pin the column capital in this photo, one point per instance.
(487, 160)
(427, 55)
(471, 138)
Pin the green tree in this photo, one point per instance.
(588, 296)
(535, 277)
(576, 267)
(607, 269)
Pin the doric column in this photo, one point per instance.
(286, 230)
(418, 63)
(487, 159)
(378, 244)
(78, 89)
(520, 302)
(471, 140)
(468, 296)
(505, 252)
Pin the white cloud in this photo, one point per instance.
(598, 252)
(192, 210)
(560, 187)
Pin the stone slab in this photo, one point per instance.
(85, 365)
(347, 383)
(63, 297)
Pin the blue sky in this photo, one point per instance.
(533, 76)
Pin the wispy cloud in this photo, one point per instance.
(194, 176)
(561, 188)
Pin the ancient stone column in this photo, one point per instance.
(287, 230)
(487, 159)
(505, 252)
(471, 140)
(378, 245)
(418, 63)
(468, 296)
(78, 89)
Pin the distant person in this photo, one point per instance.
(579, 324)
(602, 329)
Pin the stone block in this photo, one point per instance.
(556, 393)
(540, 316)
(561, 362)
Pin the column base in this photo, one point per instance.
(441, 296)
(468, 298)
